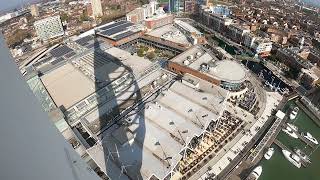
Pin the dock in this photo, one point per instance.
(313, 146)
(312, 116)
(303, 139)
(282, 146)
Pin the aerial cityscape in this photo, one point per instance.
(161, 89)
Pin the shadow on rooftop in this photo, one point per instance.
(121, 116)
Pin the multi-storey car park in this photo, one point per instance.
(133, 119)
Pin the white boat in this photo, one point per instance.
(292, 126)
(255, 174)
(269, 153)
(302, 155)
(294, 113)
(310, 137)
(293, 158)
(290, 132)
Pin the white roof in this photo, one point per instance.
(229, 70)
(170, 33)
(67, 85)
(280, 114)
(156, 130)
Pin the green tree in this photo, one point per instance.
(64, 17)
(140, 52)
(17, 37)
(151, 55)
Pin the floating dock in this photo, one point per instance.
(282, 146)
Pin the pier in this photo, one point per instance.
(282, 146)
(313, 146)
(303, 139)
(312, 116)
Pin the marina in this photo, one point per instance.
(278, 167)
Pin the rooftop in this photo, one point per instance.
(169, 33)
(198, 59)
(118, 30)
(163, 125)
(67, 85)
(78, 77)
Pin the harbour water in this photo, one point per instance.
(279, 168)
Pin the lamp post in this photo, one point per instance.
(180, 133)
(166, 158)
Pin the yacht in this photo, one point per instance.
(292, 126)
(302, 155)
(255, 174)
(290, 132)
(293, 158)
(269, 153)
(310, 137)
(294, 113)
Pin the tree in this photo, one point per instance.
(17, 37)
(140, 52)
(84, 17)
(64, 17)
(151, 55)
(292, 73)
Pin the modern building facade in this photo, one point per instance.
(142, 13)
(48, 28)
(221, 10)
(96, 8)
(174, 6)
(158, 21)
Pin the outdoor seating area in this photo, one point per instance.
(247, 101)
(203, 148)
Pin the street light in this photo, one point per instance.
(166, 158)
(185, 131)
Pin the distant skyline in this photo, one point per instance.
(6, 5)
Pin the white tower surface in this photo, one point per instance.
(31, 146)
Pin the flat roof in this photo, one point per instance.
(70, 83)
(187, 26)
(155, 129)
(225, 70)
(67, 85)
(169, 33)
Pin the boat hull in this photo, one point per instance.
(287, 155)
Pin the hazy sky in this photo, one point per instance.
(7, 4)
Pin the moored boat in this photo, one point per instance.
(290, 132)
(294, 113)
(302, 155)
(292, 126)
(310, 137)
(255, 174)
(293, 158)
(269, 153)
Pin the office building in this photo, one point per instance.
(158, 21)
(142, 13)
(48, 28)
(96, 8)
(174, 6)
(214, 21)
(221, 10)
